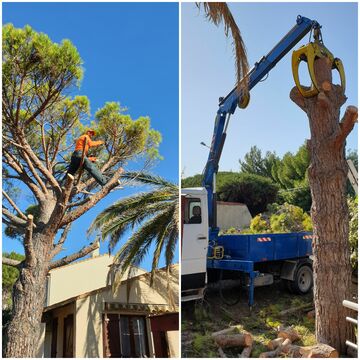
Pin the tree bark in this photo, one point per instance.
(327, 176)
(29, 294)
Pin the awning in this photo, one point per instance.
(141, 308)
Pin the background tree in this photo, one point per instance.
(40, 123)
(153, 218)
(253, 190)
(255, 163)
(9, 277)
(329, 212)
(353, 156)
(291, 174)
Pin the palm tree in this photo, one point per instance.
(218, 12)
(154, 217)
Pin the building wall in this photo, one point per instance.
(79, 278)
(89, 310)
(230, 215)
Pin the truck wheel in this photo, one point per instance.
(303, 280)
(231, 296)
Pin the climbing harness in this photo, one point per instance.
(309, 53)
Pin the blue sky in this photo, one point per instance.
(130, 54)
(271, 121)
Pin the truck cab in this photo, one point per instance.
(194, 242)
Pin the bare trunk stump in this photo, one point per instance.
(327, 176)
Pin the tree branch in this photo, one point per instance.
(44, 146)
(75, 214)
(60, 207)
(34, 172)
(12, 203)
(11, 262)
(43, 169)
(42, 107)
(12, 142)
(18, 228)
(19, 100)
(13, 218)
(297, 98)
(10, 161)
(78, 203)
(68, 259)
(58, 247)
(347, 123)
(30, 258)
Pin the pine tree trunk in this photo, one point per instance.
(28, 302)
(327, 176)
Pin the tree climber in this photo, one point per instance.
(79, 158)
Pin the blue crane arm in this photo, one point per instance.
(228, 104)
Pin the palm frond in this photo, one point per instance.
(133, 204)
(129, 253)
(218, 12)
(152, 217)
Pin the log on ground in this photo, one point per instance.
(288, 333)
(233, 340)
(277, 351)
(246, 352)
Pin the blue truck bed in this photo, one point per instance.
(241, 252)
(266, 247)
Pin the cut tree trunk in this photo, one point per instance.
(28, 301)
(327, 177)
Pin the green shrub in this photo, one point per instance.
(353, 231)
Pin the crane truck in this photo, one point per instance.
(258, 257)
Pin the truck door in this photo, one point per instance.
(194, 243)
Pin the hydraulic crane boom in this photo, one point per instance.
(229, 103)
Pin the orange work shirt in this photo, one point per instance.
(89, 143)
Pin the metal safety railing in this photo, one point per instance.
(353, 306)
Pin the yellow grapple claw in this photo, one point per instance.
(309, 53)
(338, 65)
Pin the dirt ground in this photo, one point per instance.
(201, 319)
